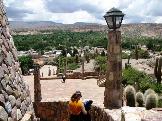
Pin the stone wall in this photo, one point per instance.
(58, 111)
(51, 111)
(78, 75)
(15, 99)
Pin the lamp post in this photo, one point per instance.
(113, 89)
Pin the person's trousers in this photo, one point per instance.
(76, 117)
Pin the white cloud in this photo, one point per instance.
(137, 11)
(158, 19)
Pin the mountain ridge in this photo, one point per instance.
(135, 29)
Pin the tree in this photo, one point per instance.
(26, 63)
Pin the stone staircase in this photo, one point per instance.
(101, 80)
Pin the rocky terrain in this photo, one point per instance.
(144, 29)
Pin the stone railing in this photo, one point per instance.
(58, 111)
(51, 111)
(78, 75)
(101, 81)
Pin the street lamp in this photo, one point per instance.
(113, 89)
(114, 18)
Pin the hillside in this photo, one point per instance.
(144, 29)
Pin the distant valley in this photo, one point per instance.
(141, 29)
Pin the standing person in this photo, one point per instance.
(76, 107)
(63, 78)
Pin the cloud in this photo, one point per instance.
(71, 11)
(70, 6)
(17, 14)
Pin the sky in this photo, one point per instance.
(90, 11)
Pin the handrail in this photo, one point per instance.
(101, 80)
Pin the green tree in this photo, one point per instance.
(26, 63)
(101, 64)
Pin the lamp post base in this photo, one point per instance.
(112, 99)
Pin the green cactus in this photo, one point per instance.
(136, 52)
(147, 92)
(127, 65)
(151, 101)
(129, 93)
(122, 116)
(157, 69)
(140, 99)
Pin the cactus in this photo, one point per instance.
(127, 65)
(129, 93)
(157, 69)
(140, 99)
(136, 52)
(122, 116)
(151, 101)
(147, 92)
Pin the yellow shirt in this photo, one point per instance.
(75, 107)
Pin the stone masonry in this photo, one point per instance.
(37, 85)
(113, 89)
(15, 100)
(58, 111)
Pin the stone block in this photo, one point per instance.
(14, 113)
(9, 90)
(10, 119)
(2, 100)
(23, 108)
(5, 68)
(5, 95)
(1, 56)
(4, 51)
(18, 103)
(19, 115)
(6, 45)
(9, 59)
(8, 107)
(12, 100)
(15, 55)
(27, 117)
(3, 114)
(4, 83)
(1, 72)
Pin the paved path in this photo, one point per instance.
(54, 90)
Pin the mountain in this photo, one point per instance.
(141, 29)
(19, 25)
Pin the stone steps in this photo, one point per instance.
(101, 80)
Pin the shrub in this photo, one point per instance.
(72, 66)
(26, 63)
(124, 55)
(129, 93)
(140, 99)
(151, 101)
(160, 103)
(131, 75)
